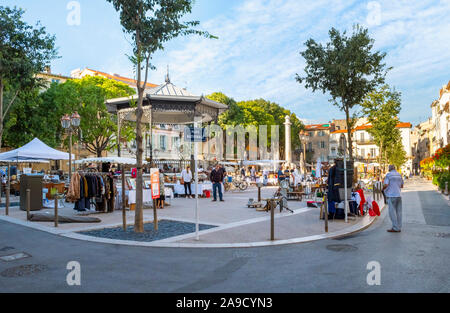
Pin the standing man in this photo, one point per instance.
(217, 176)
(392, 189)
(280, 174)
(186, 174)
(253, 173)
(243, 173)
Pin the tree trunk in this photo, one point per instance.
(1, 111)
(139, 210)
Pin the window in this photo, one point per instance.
(363, 153)
(309, 146)
(175, 142)
(373, 152)
(362, 136)
(162, 142)
(162, 126)
(322, 144)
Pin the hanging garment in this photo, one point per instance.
(362, 202)
(376, 208)
(333, 188)
(73, 194)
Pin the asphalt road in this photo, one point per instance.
(415, 260)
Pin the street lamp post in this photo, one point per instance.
(70, 123)
(303, 136)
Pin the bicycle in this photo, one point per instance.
(235, 184)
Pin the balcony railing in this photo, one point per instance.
(364, 141)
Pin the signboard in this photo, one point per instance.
(154, 180)
(27, 170)
(192, 134)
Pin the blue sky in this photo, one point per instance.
(257, 53)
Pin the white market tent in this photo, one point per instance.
(34, 150)
(264, 162)
(26, 161)
(116, 160)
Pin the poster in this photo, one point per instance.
(154, 179)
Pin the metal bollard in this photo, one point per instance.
(56, 211)
(325, 205)
(155, 216)
(446, 188)
(28, 204)
(124, 213)
(7, 201)
(272, 220)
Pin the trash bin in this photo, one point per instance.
(34, 183)
(207, 193)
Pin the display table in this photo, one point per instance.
(146, 195)
(178, 189)
(59, 187)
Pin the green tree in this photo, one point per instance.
(381, 107)
(87, 96)
(26, 118)
(346, 68)
(24, 51)
(396, 154)
(150, 24)
(258, 112)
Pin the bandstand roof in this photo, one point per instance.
(168, 104)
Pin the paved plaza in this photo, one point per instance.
(236, 224)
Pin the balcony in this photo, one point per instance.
(364, 141)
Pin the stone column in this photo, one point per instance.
(287, 137)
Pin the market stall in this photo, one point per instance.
(33, 152)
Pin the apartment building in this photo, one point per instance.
(319, 141)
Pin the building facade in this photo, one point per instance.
(319, 141)
(440, 119)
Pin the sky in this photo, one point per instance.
(257, 54)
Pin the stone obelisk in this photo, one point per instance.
(287, 140)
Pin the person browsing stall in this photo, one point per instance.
(186, 175)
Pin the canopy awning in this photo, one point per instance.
(115, 160)
(35, 149)
(25, 161)
(263, 162)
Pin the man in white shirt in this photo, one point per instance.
(393, 183)
(186, 174)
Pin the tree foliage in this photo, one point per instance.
(258, 112)
(24, 51)
(346, 68)
(381, 107)
(87, 96)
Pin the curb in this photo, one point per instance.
(365, 223)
